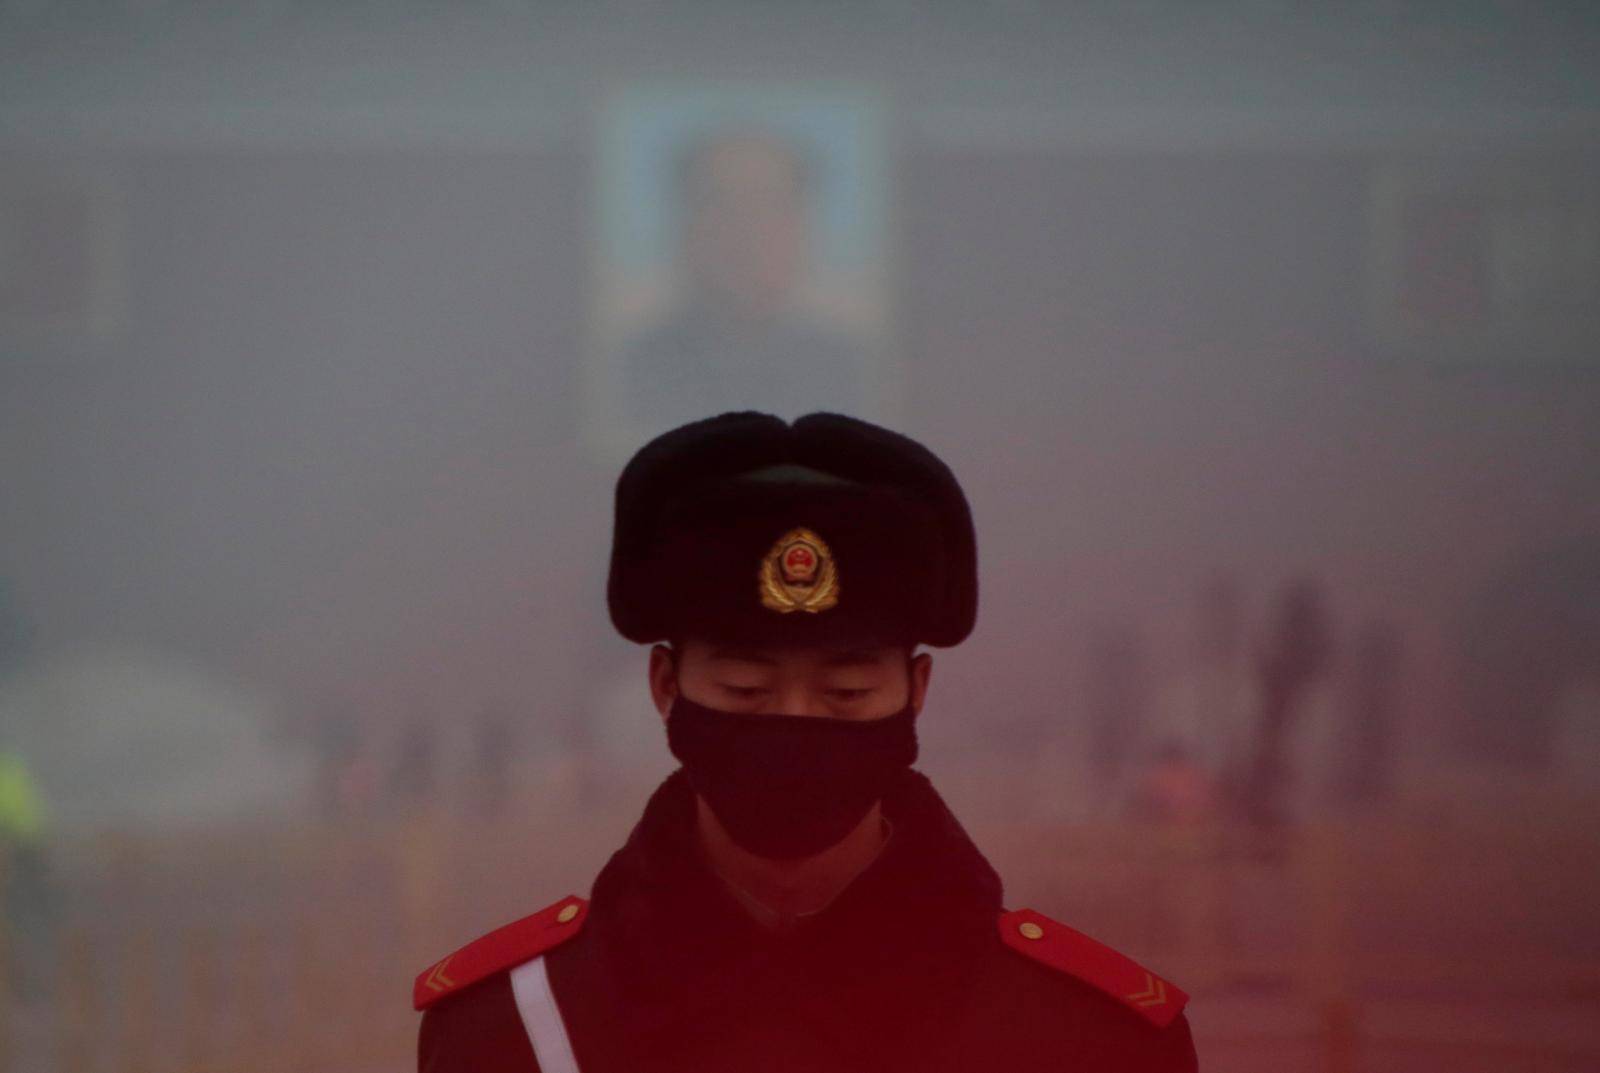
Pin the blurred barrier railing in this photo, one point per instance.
(262, 950)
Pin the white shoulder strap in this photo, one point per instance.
(530, 984)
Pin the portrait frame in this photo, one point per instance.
(62, 252)
(636, 275)
(1483, 262)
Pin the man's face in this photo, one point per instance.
(859, 683)
(747, 226)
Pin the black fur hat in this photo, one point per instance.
(831, 529)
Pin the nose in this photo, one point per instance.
(797, 699)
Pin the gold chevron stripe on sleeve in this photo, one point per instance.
(437, 980)
(1154, 993)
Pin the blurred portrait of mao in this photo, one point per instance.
(751, 278)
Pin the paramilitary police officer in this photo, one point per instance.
(795, 897)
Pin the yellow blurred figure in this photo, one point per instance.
(22, 814)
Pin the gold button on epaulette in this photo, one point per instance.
(1030, 930)
(566, 914)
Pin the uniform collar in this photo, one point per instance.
(779, 921)
(675, 943)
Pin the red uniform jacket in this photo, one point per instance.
(915, 966)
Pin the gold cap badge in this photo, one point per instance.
(798, 574)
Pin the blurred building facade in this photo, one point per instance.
(296, 352)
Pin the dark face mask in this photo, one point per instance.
(789, 786)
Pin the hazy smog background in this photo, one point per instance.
(1250, 327)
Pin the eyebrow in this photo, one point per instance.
(742, 655)
(855, 657)
(859, 657)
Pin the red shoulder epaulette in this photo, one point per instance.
(503, 948)
(1069, 951)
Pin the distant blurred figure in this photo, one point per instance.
(1205, 709)
(1530, 654)
(347, 772)
(414, 779)
(1294, 659)
(26, 905)
(21, 811)
(1363, 771)
(359, 782)
(24, 878)
(334, 737)
(736, 337)
(1176, 790)
(1118, 701)
(491, 763)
